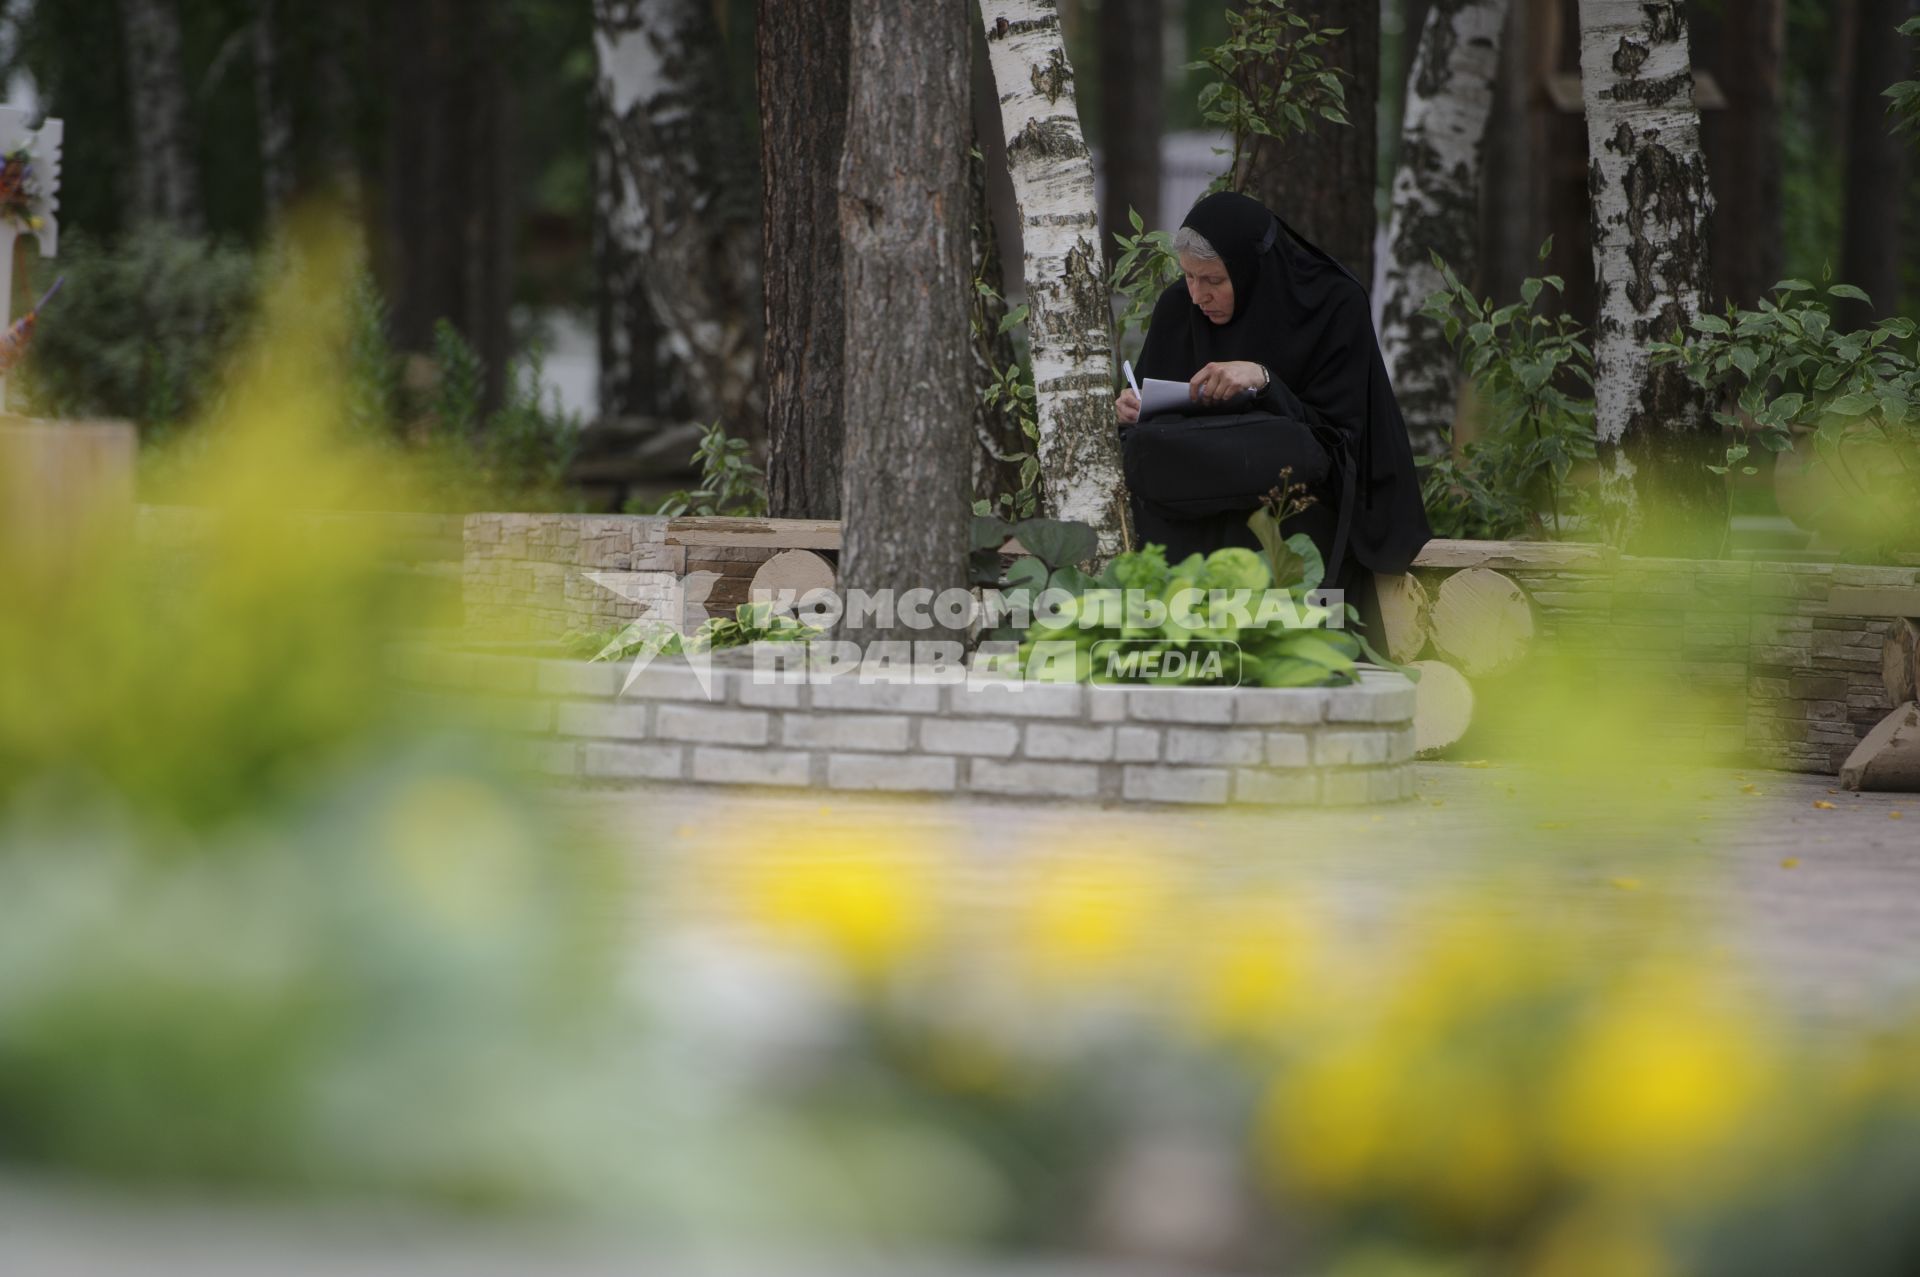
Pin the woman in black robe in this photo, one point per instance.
(1275, 323)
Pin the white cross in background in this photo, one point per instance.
(43, 147)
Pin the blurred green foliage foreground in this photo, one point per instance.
(266, 926)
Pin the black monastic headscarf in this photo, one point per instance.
(1306, 317)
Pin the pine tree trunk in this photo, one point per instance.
(166, 164)
(1436, 206)
(802, 49)
(1322, 181)
(1743, 47)
(677, 246)
(449, 194)
(1876, 163)
(903, 219)
(1132, 115)
(1069, 323)
(273, 106)
(1652, 211)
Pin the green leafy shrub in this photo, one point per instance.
(1270, 79)
(1782, 375)
(1145, 266)
(142, 327)
(1534, 432)
(1250, 608)
(729, 483)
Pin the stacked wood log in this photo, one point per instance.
(1899, 657)
(1479, 625)
(1888, 757)
(792, 575)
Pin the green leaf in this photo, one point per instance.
(1850, 292)
(1057, 542)
(988, 532)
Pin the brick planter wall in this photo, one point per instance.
(1210, 746)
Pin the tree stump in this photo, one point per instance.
(1442, 706)
(1406, 612)
(1482, 622)
(1899, 655)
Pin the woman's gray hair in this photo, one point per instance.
(1188, 240)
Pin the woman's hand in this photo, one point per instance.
(1128, 406)
(1217, 383)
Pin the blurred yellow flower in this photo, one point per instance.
(1655, 1079)
(853, 893)
(1091, 915)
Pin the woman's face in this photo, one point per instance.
(1209, 285)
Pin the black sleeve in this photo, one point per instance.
(1279, 399)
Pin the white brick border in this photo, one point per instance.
(1280, 747)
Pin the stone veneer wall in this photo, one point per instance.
(1761, 667)
(536, 576)
(987, 736)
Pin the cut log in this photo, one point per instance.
(1482, 622)
(1406, 612)
(1887, 759)
(790, 574)
(1899, 657)
(1442, 706)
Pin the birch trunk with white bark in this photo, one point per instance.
(1069, 319)
(1436, 206)
(1652, 209)
(677, 240)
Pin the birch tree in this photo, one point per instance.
(166, 170)
(1436, 206)
(903, 221)
(1069, 322)
(1651, 212)
(676, 236)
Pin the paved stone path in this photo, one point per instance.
(1816, 908)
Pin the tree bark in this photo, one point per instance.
(676, 244)
(1323, 181)
(449, 195)
(1436, 206)
(1876, 163)
(166, 164)
(903, 219)
(1069, 322)
(1742, 46)
(1652, 213)
(274, 107)
(1132, 114)
(996, 427)
(803, 50)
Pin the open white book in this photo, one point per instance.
(1157, 396)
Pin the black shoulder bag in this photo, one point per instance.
(1201, 463)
